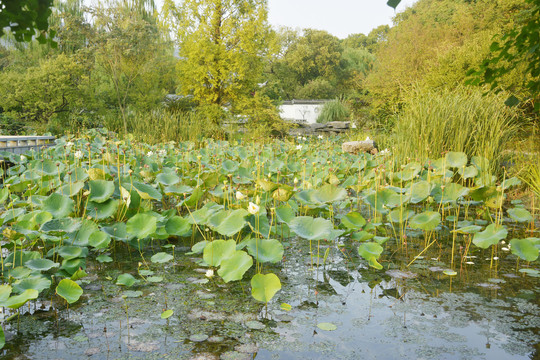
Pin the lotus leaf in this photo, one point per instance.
(311, 228)
(284, 214)
(353, 221)
(525, 249)
(99, 240)
(70, 189)
(450, 193)
(64, 224)
(520, 215)
(104, 259)
(400, 215)
(264, 287)
(69, 290)
(147, 192)
(490, 236)
(371, 252)
(362, 236)
(168, 179)
(427, 220)
(218, 250)
(329, 193)
(5, 291)
(268, 250)
(468, 172)
(383, 200)
(419, 191)
(456, 159)
(178, 226)
(41, 264)
(469, 229)
(58, 205)
(15, 302)
(126, 280)
(38, 283)
(141, 225)
(228, 222)
(161, 258)
(167, 314)
(80, 237)
(327, 326)
(234, 267)
(71, 252)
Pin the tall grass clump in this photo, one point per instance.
(162, 125)
(334, 110)
(463, 119)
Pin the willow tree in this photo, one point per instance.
(224, 45)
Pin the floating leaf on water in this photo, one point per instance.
(255, 325)
(286, 307)
(154, 279)
(132, 294)
(198, 337)
(69, 290)
(327, 326)
(530, 272)
(125, 280)
(450, 272)
(167, 314)
(161, 258)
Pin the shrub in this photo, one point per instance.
(333, 110)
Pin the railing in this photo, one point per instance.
(21, 144)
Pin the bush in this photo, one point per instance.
(433, 122)
(333, 110)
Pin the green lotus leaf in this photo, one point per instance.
(409, 172)
(329, 193)
(100, 211)
(490, 236)
(100, 190)
(218, 250)
(383, 200)
(69, 290)
(58, 205)
(177, 189)
(15, 302)
(168, 179)
(427, 220)
(147, 192)
(450, 193)
(47, 167)
(126, 280)
(468, 172)
(38, 283)
(161, 258)
(2, 338)
(193, 199)
(353, 221)
(4, 194)
(77, 175)
(141, 225)
(266, 185)
(419, 191)
(371, 252)
(513, 181)
(469, 229)
(481, 163)
(63, 225)
(80, 237)
(268, 250)
(530, 272)
(72, 252)
(41, 264)
(99, 240)
(228, 222)
(520, 215)
(400, 215)
(167, 314)
(79, 274)
(70, 189)
(234, 267)
(525, 249)
(362, 236)
(104, 258)
(116, 231)
(229, 166)
(327, 326)
(201, 216)
(311, 228)
(5, 291)
(456, 159)
(199, 247)
(71, 266)
(20, 272)
(264, 287)
(283, 193)
(284, 214)
(178, 226)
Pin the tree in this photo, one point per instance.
(224, 46)
(26, 17)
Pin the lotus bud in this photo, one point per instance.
(253, 208)
(240, 196)
(257, 200)
(209, 273)
(295, 181)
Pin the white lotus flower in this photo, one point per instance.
(253, 209)
(78, 154)
(295, 181)
(367, 139)
(162, 152)
(320, 137)
(69, 144)
(298, 147)
(240, 196)
(209, 273)
(304, 138)
(384, 152)
(23, 158)
(150, 153)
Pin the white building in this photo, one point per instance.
(301, 111)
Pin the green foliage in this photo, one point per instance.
(333, 110)
(25, 18)
(433, 122)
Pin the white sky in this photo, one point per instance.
(338, 17)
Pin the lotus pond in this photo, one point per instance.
(116, 249)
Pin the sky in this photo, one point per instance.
(339, 17)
